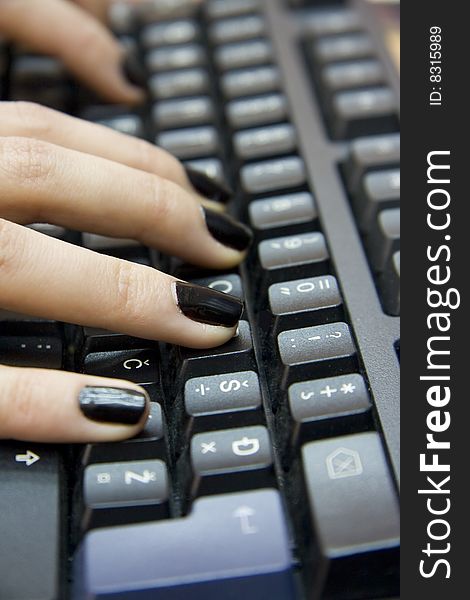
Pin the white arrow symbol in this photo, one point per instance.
(244, 513)
(29, 458)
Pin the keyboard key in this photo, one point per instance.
(230, 545)
(293, 251)
(342, 47)
(170, 33)
(178, 57)
(238, 351)
(31, 539)
(248, 82)
(220, 9)
(245, 54)
(353, 507)
(384, 239)
(128, 124)
(184, 112)
(313, 404)
(153, 12)
(389, 283)
(31, 344)
(190, 143)
(226, 400)
(94, 339)
(124, 492)
(260, 110)
(332, 22)
(232, 459)
(139, 366)
(327, 348)
(363, 112)
(94, 241)
(282, 211)
(273, 175)
(186, 82)
(237, 29)
(343, 76)
(227, 283)
(265, 141)
(149, 444)
(370, 154)
(379, 190)
(309, 301)
(212, 167)
(51, 230)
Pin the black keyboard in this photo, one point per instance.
(270, 466)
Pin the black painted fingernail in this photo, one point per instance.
(206, 305)
(208, 187)
(112, 405)
(134, 70)
(226, 230)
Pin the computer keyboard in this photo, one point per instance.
(269, 468)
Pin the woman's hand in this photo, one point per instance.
(70, 33)
(58, 169)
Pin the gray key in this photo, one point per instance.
(342, 76)
(248, 112)
(343, 47)
(230, 392)
(50, 230)
(265, 141)
(292, 251)
(379, 190)
(212, 167)
(166, 34)
(179, 57)
(282, 211)
(384, 239)
(220, 9)
(237, 29)
(313, 293)
(332, 22)
(186, 82)
(248, 82)
(152, 12)
(108, 485)
(128, 124)
(370, 153)
(363, 111)
(183, 112)
(230, 449)
(315, 344)
(315, 400)
(190, 143)
(245, 54)
(351, 496)
(273, 175)
(94, 241)
(389, 283)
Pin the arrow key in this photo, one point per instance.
(125, 492)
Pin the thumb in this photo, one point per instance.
(42, 405)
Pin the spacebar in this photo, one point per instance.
(230, 546)
(30, 520)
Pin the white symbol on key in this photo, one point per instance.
(244, 513)
(207, 447)
(103, 478)
(305, 287)
(202, 389)
(285, 291)
(347, 388)
(292, 243)
(328, 391)
(307, 395)
(293, 345)
(336, 334)
(281, 205)
(276, 245)
(245, 446)
(222, 285)
(343, 463)
(146, 477)
(314, 338)
(135, 363)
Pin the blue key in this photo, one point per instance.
(231, 546)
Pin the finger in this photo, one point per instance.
(79, 40)
(41, 405)
(42, 276)
(98, 8)
(42, 182)
(32, 120)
